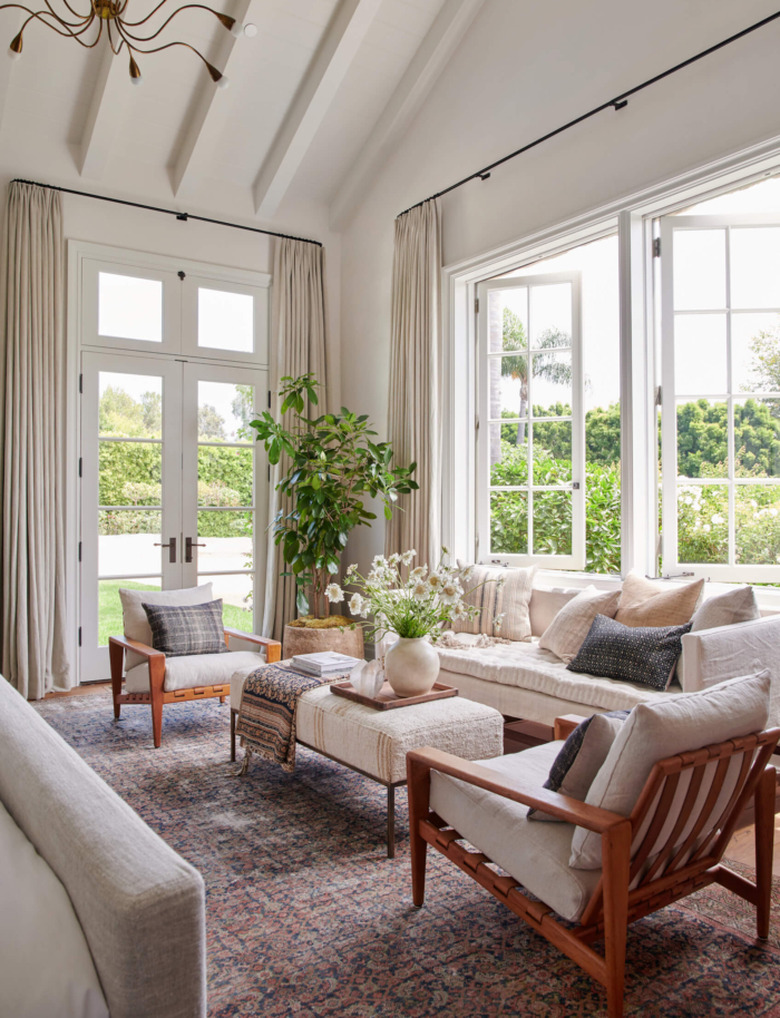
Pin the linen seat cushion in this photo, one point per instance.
(45, 964)
(536, 855)
(652, 732)
(193, 670)
(502, 597)
(646, 602)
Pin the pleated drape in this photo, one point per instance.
(34, 651)
(298, 333)
(414, 409)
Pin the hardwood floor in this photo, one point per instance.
(517, 736)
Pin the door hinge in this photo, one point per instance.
(269, 399)
(476, 305)
(476, 423)
(79, 551)
(79, 636)
(657, 247)
(269, 474)
(658, 395)
(81, 385)
(182, 275)
(81, 466)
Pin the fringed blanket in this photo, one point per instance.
(266, 717)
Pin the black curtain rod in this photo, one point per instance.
(182, 216)
(618, 103)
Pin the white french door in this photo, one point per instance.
(173, 486)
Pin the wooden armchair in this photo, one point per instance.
(157, 695)
(670, 845)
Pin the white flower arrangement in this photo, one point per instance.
(410, 602)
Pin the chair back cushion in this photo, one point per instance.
(135, 621)
(652, 732)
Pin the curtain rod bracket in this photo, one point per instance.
(182, 217)
(483, 176)
(619, 104)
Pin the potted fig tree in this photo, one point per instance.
(332, 465)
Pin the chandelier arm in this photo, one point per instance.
(65, 31)
(81, 17)
(185, 7)
(151, 14)
(116, 49)
(214, 73)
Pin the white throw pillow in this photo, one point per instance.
(565, 634)
(45, 964)
(654, 731)
(726, 610)
(502, 597)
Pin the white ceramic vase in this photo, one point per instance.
(411, 666)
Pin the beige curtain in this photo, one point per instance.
(298, 319)
(414, 412)
(34, 654)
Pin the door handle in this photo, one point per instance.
(171, 546)
(189, 544)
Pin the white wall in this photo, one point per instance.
(523, 70)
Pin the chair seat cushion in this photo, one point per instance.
(194, 670)
(536, 855)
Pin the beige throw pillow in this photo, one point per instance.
(726, 610)
(502, 596)
(646, 602)
(653, 731)
(565, 634)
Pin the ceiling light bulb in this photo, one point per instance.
(250, 30)
(15, 49)
(223, 82)
(236, 29)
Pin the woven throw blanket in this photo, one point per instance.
(266, 717)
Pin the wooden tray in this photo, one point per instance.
(386, 699)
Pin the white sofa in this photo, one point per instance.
(523, 681)
(98, 915)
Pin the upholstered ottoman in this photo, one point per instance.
(375, 742)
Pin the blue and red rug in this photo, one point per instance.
(307, 917)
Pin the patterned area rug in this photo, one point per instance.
(306, 916)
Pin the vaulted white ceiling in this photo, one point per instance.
(316, 100)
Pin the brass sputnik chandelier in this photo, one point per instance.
(87, 29)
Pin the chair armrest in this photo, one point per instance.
(565, 725)
(593, 818)
(273, 647)
(140, 648)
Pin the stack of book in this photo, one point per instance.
(326, 663)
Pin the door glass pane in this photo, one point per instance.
(130, 473)
(700, 364)
(552, 452)
(755, 267)
(224, 412)
(226, 321)
(509, 522)
(552, 522)
(237, 598)
(110, 621)
(699, 269)
(703, 523)
(507, 320)
(755, 353)
(508, 386)
(550, 315)
(757, 438)
(130, 405)
(551, 382)
(126, 542)
(757, 514)
(702, 438)
(130, 307)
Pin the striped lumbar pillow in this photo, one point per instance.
(502, 596)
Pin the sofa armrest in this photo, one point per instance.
(712, 655)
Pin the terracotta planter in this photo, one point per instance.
(300, 640)
(411, 666)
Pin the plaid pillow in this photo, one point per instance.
(187, 629)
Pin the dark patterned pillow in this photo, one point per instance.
(187, 629)
(644, 655)
(580, 758)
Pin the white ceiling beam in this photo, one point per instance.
(331, 63)
(208, 106)
(106, 113)
(6, 65)
(442, 39)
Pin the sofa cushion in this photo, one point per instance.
(502, 597)
(566, 632)
(195, 670)
(187, 629)
(652, 732)
(537, 855)
(646, 602)
(641, 654)
(726, 609)
(45, 964)
(581, 757)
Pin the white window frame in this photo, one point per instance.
(633, 215)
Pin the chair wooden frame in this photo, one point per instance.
(632, 883)
(158, 695)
